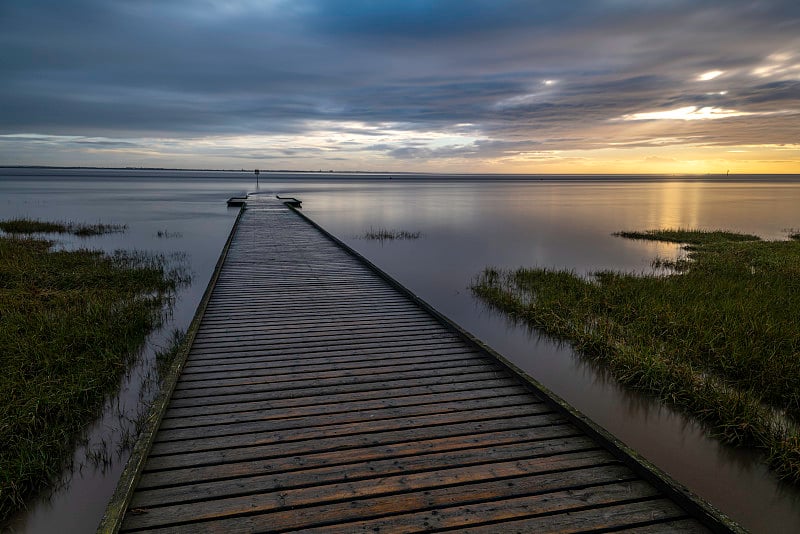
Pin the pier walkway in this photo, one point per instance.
(318, 396)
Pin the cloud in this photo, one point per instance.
(192, 70)
(688, 113)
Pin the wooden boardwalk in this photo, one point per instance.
(318, 397)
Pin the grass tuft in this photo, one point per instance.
(35, 226)
(690, 237)
(70, 323)
(720, 340)
(384, 234)
(165, 234)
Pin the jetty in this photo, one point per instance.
(316, 394)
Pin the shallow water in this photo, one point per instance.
(466, 223)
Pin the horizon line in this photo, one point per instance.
(252, 171)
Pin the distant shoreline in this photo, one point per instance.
(715, 176)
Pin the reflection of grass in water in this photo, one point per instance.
(153, 382)
(71, 322)
(104, 451)
(721, 340)
(384, 234)
(165, 234)
(33, 226)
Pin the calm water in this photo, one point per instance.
(466, 223)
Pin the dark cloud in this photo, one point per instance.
(191, 68)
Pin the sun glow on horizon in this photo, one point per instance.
(357, 146)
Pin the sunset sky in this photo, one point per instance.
(583, 86)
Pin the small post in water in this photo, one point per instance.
(257, 172)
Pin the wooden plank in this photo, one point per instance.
(291, 324)
(322, 372)
(310, 329)
(341, 416)
(318, 323)
(476, 387)
(215, 358)
(338, 454)
(330, 292)
(687, 526)
(329, 336)
(336, 389)
(608, 491)
(263, 502)
(291, 309)
(258, 483)
(387, 341)
(319, 365)
(345, 380)
(308, 444)
(621, 516)
(207, 367)
(343, 404)
(285, 431)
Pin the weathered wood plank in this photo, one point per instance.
(284, 431)
(257, 336)
(449, 390)
(341, 416)
(346, 491)
(294, 369)
(387, 341)
(321, 372)
(248, 310)
(198, 371)
(343, 380)
(303, 443)
(687, 526)
(317, 324)
(216, 358)
(486, 454)
(344, 404)
(327, 342)
(621, 516)
(459, 517)
(289, 319)
(336, 389)
(338, 454)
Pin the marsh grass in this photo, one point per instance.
(70, 323)
(720, 340)
(686, 236)
(35, 226)
(385, 234)
(165, 234)
(166, 355)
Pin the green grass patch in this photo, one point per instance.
(70, 323)
(690, 237)
(719, 340)
(35, 226)
(386, 234)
